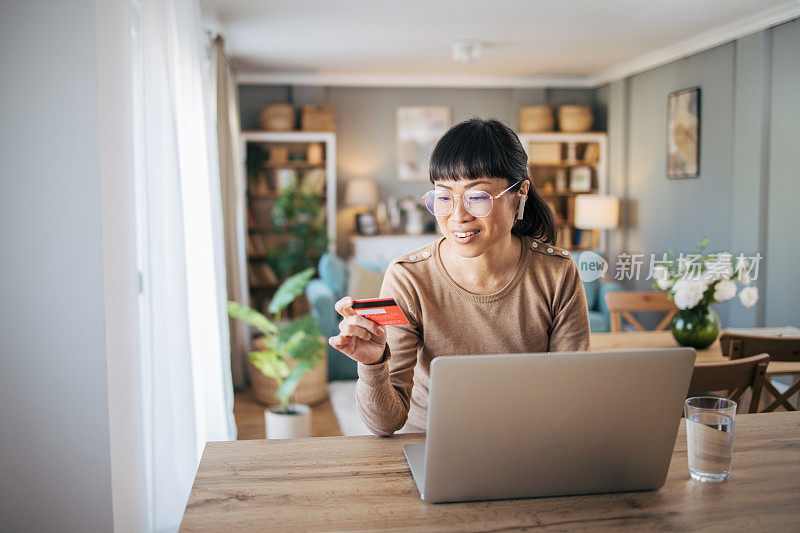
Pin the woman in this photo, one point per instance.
(494, 283)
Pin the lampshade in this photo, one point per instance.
(361, 193)
(596, 211)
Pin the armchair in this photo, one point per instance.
(599, 315)
(322, 293)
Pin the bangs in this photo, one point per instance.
(475, 149)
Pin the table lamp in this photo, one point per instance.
(361, 193)
(596, 211)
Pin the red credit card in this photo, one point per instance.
(383, 311)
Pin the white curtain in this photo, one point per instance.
(233, 209)
(187, 390)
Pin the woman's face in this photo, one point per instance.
(472, 236)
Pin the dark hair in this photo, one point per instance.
(479, 148)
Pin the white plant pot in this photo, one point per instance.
(288, 426)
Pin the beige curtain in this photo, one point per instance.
(233, 211)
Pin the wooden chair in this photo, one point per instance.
(735, 376)
(784, 349)
(621, 303)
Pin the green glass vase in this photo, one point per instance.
(697, 327)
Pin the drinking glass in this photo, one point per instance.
(709, 437)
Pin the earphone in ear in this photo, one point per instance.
(521, 210)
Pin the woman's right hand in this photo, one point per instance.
(359, 338)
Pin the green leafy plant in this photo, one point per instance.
(297, 340)
(298, 215)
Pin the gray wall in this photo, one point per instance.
(783, 228)
(366, 122)
(743, 199)
(54, 459)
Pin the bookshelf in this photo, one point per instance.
(274, 161)
(563, 166)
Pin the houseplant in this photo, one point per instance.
(290, 349)
(297, 214)
(698, 281)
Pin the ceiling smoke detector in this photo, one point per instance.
(466, 52)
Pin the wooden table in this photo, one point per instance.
(364, 483)
(664, 339)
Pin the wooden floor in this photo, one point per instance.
(249, 415)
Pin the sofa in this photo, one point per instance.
(334, 282)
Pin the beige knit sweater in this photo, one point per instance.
(543, 308)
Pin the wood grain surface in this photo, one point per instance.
(364, 483)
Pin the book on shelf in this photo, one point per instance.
(256, 244)
(261, 274)
(584, 238)
(592, 153)
(564, 237)
(261, 186)
(251, 274)
(267, 274)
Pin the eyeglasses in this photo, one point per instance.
(477, 203)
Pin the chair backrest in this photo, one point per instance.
(621, 303)
(735, 376)
(334, 272)
(590, 288)
(736, 346)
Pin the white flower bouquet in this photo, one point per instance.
(703, 279)
(695, 281)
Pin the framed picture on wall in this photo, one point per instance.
(418, 130)
(683, 133)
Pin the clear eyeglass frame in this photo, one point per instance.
(430, 196)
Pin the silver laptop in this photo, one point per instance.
(528, 425)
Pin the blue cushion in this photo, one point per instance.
(607, 287)
(341, 367)
(598, 322)
(591, 288)
(333, 271)
(321, 297)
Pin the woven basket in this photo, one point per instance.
(312, 389)
(277, 117)
(575, 118)
(536, 118)
(318, 118)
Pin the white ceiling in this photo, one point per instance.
(525, 42)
